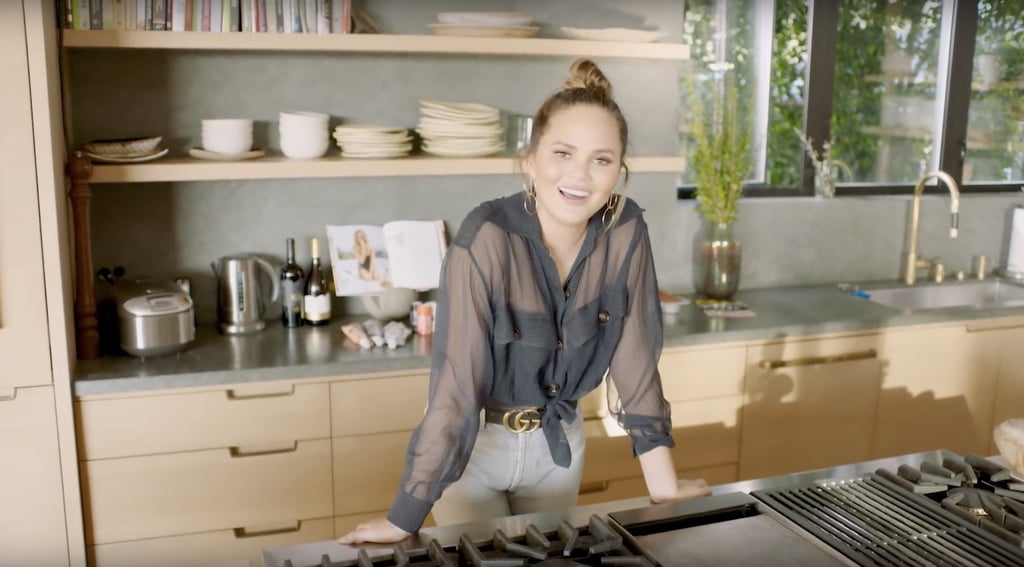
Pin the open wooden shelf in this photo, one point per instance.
(278, 167)
(369, 43)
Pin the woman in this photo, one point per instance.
(542, 293)
(365, 256)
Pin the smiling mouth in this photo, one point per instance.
(577, 194)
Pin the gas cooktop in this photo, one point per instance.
(941, 510)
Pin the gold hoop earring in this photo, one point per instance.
(613, 203)
(530, 195)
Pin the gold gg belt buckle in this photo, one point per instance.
(521, 420)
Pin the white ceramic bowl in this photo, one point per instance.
(394, 303)
(1009, 438)
(227, 135)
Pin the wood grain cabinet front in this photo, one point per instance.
(150, 496)
(809, 404)
(938, 390)
(1009, 401)
(239, 415)
(242, 546)
(378, 405)
(367, 470)
(32, 528)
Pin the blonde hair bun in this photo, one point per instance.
(585, 74)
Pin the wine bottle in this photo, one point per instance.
(292, 288)
(316, 303)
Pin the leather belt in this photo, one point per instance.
(518, 420)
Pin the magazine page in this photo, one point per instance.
(415, 250)
(359, 259)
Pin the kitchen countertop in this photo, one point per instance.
(310, 553)
(315, 352)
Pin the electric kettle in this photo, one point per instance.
(240, 307)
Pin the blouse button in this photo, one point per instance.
(567, 293)
(515, 334)
(559, 344)
(553, 389)
(603, 316)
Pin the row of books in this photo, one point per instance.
(279, 16)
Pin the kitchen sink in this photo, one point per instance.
(978, 294)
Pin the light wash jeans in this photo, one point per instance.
(512, 473)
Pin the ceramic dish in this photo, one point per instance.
(484, 31)
(134, 159)
(485, 18)
(124, 147)
(200, 153)
(613, 34)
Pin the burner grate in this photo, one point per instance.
(597, 544)
(873, 522)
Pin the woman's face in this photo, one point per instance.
(575, 164)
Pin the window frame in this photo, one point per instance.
(956, 60)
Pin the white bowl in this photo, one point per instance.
(394, 303)
(1009, 438)
(229, 136)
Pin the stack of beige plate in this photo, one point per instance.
(484, 24)
(460, 129)
(373, 141)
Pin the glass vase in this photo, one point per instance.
(825, 177)
(718, 255)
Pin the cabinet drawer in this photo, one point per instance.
(705, 373)
(367, 470)
(706, 433)
(161, 495)
(636, 487)
(239, 415)
(242, 546)
(379, 405)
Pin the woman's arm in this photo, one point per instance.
(644, 413)
(662, 482)
(459, 378)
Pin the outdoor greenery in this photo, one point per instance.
(868, 31)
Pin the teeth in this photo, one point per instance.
(573, 192)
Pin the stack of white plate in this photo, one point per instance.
(373, 141)
(484, 24)
(460, 129)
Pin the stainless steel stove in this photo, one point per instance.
(928, 509)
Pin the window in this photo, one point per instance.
(896, 88)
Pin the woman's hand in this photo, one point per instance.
(685, 490)
(377, 530)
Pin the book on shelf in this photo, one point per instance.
(368, 259)
(250, 16)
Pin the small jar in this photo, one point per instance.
(424, 319)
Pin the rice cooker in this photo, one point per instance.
(154, 317)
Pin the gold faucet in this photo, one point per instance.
(911, 263)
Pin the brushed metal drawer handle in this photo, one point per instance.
(239, 452)
(233, 395)
(241, 533)
(594, 487)
(813, 360)
(8, 394)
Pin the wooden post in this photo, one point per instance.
(87, 335)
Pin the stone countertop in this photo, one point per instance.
(316, 352)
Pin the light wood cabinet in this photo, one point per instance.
(937, 391)
(32, 528)
(809, 404)
(237, 416)
(225, 547)
(1009, 395)
(24, 340)
(379, 405)
(704, 386)
(177, 493)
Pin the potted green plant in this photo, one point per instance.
(720, 160)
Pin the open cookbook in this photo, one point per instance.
(368, 259)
